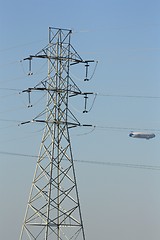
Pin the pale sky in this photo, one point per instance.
(119, 200)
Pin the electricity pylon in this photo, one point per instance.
(53, 209)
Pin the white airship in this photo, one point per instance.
(142, 135)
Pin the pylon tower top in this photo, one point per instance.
(53, 210)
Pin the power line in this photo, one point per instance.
(11, 89)
(112, 164)
(20, 45)
(18, 154)
(125, 96)
(99, 127)
(117, 164)
(102, 94)
(127, 128)
(9, 120)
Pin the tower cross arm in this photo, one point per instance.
(62, 58)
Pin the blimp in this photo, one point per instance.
(142, 135)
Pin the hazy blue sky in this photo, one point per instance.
(124, 37)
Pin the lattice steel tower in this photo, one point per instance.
(53, 210)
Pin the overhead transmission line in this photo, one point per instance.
(99, 94)
(93, 127)
(20, 45)
(111, 164)
(126, 128)
(126, 96)
(93, 102)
